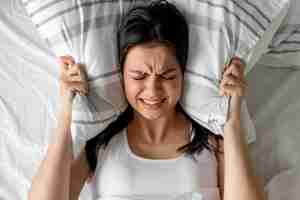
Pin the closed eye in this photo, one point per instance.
(166, 78)
(169, 78)
(138, 78)
(167, 75)
(138, 75)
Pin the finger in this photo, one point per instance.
(73, 73)
(63, 67)
(233, 80)
(224, 69)
(240, 65)
(69, 60)
(80, 93)
(75, 79)
(238, 62)
(75, 91)
(232, 69)
(63, 76)
(74, 70)
(231, 90)
(66, 61)
(77, 86)
(222, 91)
(227, 80)
(80, 70)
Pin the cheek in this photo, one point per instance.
(131, 89)
(175, 89)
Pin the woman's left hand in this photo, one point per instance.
(233, 84)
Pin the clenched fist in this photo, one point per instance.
(233, 84)
(72, 79)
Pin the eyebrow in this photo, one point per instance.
(165, 72)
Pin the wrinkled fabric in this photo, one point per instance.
(29, 92)
(284, 49)
(219, 30)
(122, 174)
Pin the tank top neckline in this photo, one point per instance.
(142, 159)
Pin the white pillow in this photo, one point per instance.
(284, 51)
(284, 185)
(219, 30)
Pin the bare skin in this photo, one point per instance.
(59, 176)
(62, 178)
(240, 181)
(152, 74)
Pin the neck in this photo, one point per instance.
(156, 131)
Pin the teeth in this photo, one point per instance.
(151, 102)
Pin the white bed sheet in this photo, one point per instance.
(28, 87)
(277, 189)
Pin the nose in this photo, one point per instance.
(154, 87)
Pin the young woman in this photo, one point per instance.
(154, 150)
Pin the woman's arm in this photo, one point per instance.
(53, 177)
(52, 181)
(240, 181)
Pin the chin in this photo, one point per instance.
(151, 116)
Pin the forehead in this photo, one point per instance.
(156, 56)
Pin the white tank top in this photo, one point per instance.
(122, 175)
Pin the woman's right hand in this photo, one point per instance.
(72, 79)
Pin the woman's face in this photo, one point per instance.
(152, 80)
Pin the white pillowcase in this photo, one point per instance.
(219, 30)
(284, 50)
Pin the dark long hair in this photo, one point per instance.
(161, 22)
